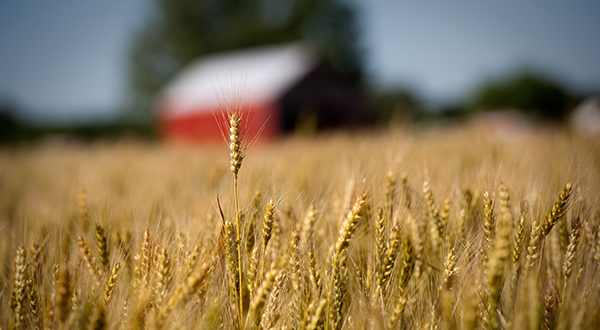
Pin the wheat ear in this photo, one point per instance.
(63, 293)
(266, 233)
(233, 266)
(465, 212)
(501, 252)
(390, 192)
(437, 234)
(380, 249)
(19, 283)
(338, 260)
(236, 156)
(387, 266)
(488, 227)
(558, 210)
(518, 247)
(570, 254)
(112, 282)
(145, 257)
(93, 267)
(408, 266)
(102, 247)
(163, 271)
(82, 208)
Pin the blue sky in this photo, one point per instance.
(67, 59)
(445, 48)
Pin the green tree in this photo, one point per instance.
(527, 92)
(180, 31)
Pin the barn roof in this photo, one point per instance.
(255, 75)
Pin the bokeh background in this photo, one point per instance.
(95, 69)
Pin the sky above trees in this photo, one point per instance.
(68, 58)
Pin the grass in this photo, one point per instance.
(451, 229)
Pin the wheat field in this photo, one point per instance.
(449, 228)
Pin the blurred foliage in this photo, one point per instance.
(10, 128)
(395, 104)
(16, 131)
(528, 92)
(180, 31)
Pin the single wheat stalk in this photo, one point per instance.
(347, 228)
(338, 268)
(145, 257)
(408, 266)
(558, 210)
(266, 233)
(112, 282)
(405, 190)
(163, 273)
(102, 247)
(550, 308)
(231, 257)
(501, 252)
(338, 291)
(541, 228)
(307, 226)
(393, 246)
(380, 240)
(236, 155)
(296, 307)
(63, 293)
(35, 251)
(252, 271)
(465, 212)
(19, 285)
(93, 267)
(398, 310)
(313, 273)
(570, 254)
(450, 270)
(390, 190)
(33, 285)
(444, 215)
(82, 208)
(519, 237)
(33, 296)
(488, 227)
(435, 217)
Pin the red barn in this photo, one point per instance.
(279, 89)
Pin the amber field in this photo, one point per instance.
(455, 228)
